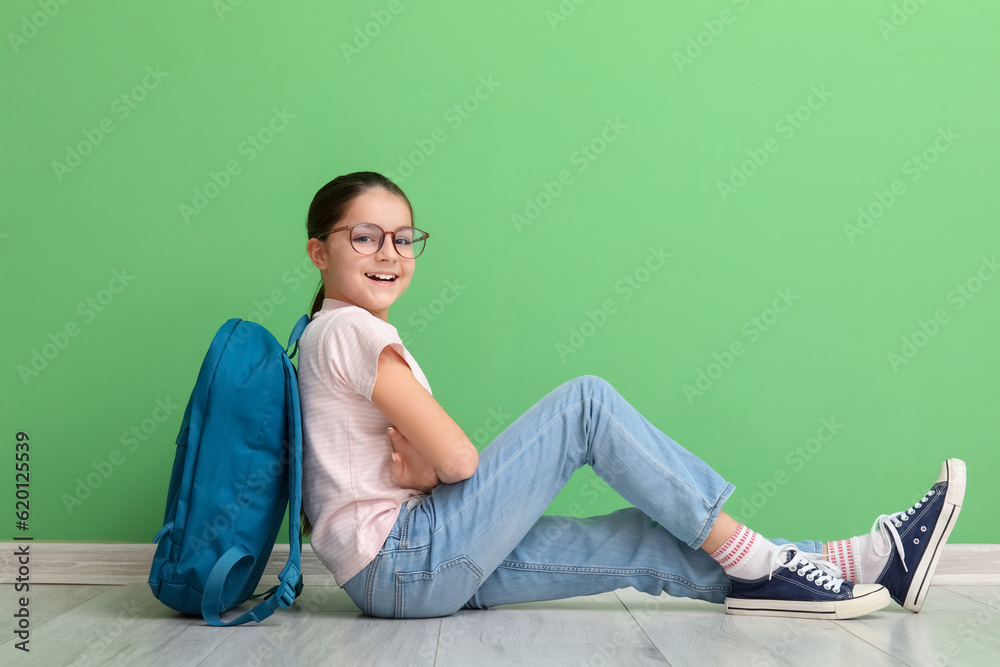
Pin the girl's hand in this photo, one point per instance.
(408, 468)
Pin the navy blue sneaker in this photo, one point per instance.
(915, 537)
(803, 586)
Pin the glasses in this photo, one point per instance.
(367, 238)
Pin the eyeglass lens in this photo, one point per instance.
(367, 238)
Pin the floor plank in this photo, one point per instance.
(325, 627)
(933, 637)
(468, 655)
(940, 598)
(45, 602)
(590, 630)
(695, 632)
(987, 595)
(333, 638)
(596, 619)
(123, 625)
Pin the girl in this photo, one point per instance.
(414, 522)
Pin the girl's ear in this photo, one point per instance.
(317, 253)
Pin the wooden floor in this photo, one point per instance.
(125, 625)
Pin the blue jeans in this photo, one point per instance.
(483, 541)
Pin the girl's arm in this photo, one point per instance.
(433, 433)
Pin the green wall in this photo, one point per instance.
(767, 224)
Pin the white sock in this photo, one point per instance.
(745, 555)
(857, 559)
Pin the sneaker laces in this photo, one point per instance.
(808, 565)
(890, 522)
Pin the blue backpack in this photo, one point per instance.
(238, 465)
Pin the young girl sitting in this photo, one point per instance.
(413, 521)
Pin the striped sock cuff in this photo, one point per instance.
(736, 548)
(842, 556)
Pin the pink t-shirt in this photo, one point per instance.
(347, 492)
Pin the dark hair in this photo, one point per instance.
(330, 205)
(328, 208)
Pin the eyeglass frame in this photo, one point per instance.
(381, 239)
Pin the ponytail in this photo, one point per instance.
(318, 301)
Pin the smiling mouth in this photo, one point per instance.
(381, 278)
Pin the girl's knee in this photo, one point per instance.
(580, 388)
(591, 385)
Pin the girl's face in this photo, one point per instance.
(346, 272)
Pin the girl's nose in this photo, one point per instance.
(387, 251)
